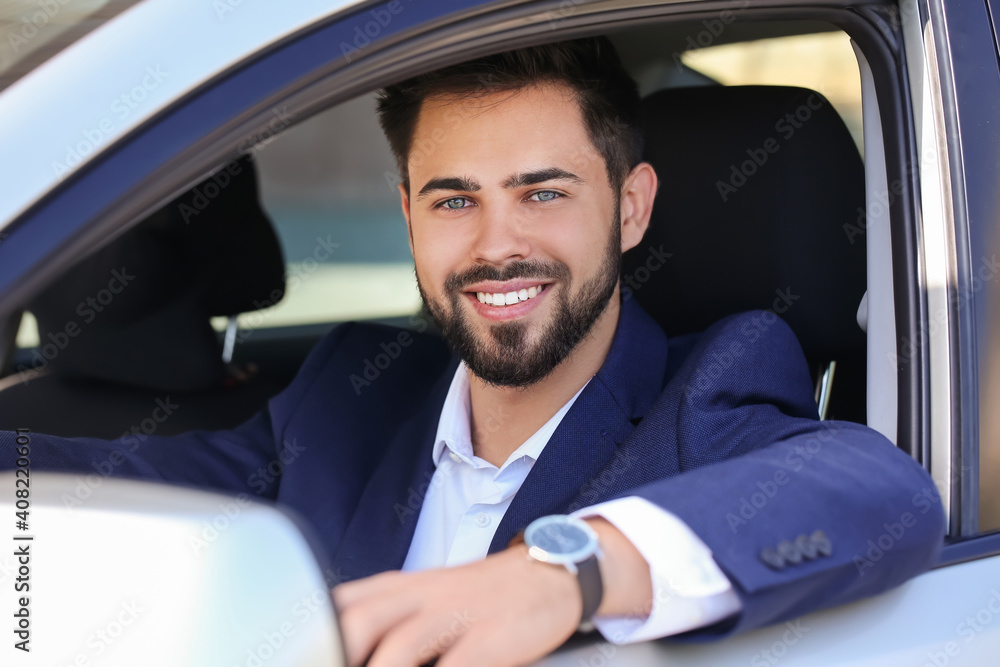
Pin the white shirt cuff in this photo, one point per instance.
(689, 589)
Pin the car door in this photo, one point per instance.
(928, 142)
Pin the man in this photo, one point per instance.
(522, 185)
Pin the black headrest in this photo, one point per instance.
(141, 305)
(757, 184)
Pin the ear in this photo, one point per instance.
(637, 197)
(404, 197)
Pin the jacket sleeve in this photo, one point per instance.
(245, 459)
(800, 514)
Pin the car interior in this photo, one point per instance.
(306, 232)
(208, 278)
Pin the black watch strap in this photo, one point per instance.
(588, 573)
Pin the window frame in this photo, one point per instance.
(306, 73)
(967, 63)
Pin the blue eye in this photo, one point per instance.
(455, 203)
(545, 195)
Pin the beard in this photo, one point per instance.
(504, 357)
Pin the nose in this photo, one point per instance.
(500, 237)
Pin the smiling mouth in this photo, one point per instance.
(500, 299)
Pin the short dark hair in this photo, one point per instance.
(608, 96)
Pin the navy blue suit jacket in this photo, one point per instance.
(721, 429)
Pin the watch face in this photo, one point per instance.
(563, 539)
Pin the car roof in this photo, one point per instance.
(66, 111)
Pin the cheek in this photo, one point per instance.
(436, 255)
(578, 239)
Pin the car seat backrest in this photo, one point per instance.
(129, 325)
(143, 302)
(759, 186)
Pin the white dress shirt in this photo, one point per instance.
(468, 496)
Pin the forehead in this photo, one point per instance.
(537, 126)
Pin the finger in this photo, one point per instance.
(486, 647)
(418, 639)
(368, 619)
(472, 649)
(350, 592)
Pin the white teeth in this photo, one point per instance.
(500, 299)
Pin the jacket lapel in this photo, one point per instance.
(379, 534)
(565, 476)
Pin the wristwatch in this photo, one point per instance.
(564, 540)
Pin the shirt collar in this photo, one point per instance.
(453, 425)
(453, 432)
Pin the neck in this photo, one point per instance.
(503, 418)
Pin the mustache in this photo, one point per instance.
(528, 268)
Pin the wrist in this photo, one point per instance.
(570, 544)
(556, 578)
(628, 584)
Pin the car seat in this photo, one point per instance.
(125, 336)
(758, 187)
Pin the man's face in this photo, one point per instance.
(514, 229)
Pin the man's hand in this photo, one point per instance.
(504, 610)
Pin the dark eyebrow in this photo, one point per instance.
(463, 184)
(540, 176)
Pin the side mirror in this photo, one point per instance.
(135, 573)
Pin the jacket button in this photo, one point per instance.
(789, 552)
(824, 547)
(772, 559)
(806, 547)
